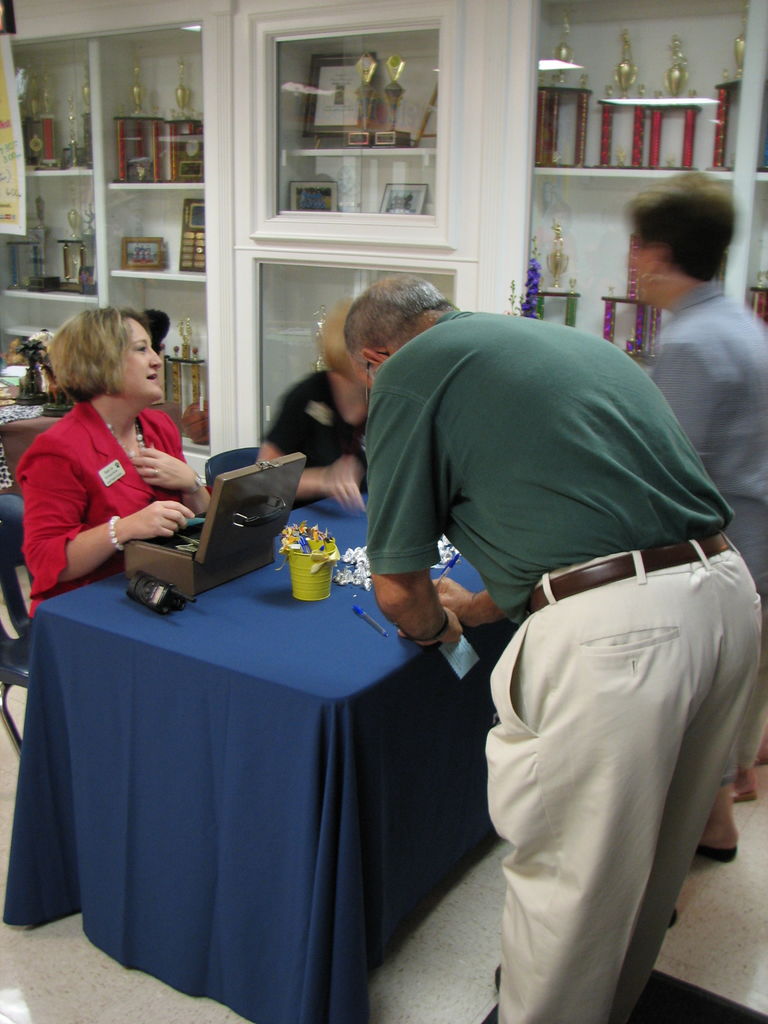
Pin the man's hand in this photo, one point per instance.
(472, 608)
(410, 600)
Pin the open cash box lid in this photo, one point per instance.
(248, 509)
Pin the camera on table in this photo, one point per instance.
(153, 593)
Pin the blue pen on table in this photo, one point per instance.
(367, 618)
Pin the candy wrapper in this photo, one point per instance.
(355, 569)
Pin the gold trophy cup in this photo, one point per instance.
(557, 260)
(393, 93)
(625, 72)
(676, 75)
(365, 68)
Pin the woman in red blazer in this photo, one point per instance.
(112, 469)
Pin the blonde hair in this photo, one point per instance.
(332, 345)
(87, 351)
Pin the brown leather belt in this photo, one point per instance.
(622, 567)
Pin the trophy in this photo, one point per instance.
(739, 44)
(20, 264)
(88, 245)
(48, 150)
(73, 254)
(393, 93)
(365, 68)
(138, 139)
(676, 76)
(137, 91)
(185, 136)
(39, 281)
(174, 377)
(32, 125)
(563, 51)
(69, 156)
(183, 378)
(625, 72)
(185, 333)
(197, 390)
(557, 260)
(86, 94)
(183, 94)
(570, 303)
(37, 237)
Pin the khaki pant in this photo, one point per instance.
(617, 712)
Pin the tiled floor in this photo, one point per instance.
(440, 966)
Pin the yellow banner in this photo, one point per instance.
(13, 207)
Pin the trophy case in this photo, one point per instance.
(113, 134)
(622, 104)
(50, 272)
(357, 123)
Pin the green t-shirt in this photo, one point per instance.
(532, 446)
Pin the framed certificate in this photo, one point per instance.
(332, 101)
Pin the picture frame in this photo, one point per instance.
(314, 196)
(143, 254)
(403, 199)
(332, 99)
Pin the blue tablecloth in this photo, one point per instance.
(245, 798)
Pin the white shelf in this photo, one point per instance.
(682, 102)
(21, 293)
(161, 275)
(370, 152)
(627, 172)
(58, 172)
(158, 186)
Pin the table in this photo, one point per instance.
(19, 425)
(245, 798)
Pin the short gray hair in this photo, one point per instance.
(389, 312)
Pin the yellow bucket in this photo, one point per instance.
(311, 571)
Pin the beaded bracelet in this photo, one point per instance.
(113, 533)
(429, 639)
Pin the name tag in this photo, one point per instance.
(320, 412)
(111, 473)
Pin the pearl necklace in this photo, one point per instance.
(139, 439)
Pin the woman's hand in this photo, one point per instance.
(342, 481)
(91, 548)
(162, 470)
(160, 519)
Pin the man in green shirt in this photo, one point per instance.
(535, 449)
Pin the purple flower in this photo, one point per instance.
(532, 281)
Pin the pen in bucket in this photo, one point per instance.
(367, 618)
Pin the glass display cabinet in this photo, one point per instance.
(357, 123)
(113, 133)
(51, 271)
(631, 103)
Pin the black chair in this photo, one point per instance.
(223, 462)
(14, 649)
